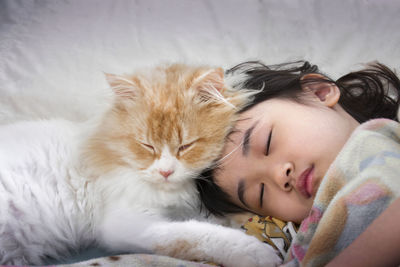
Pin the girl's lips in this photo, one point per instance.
(304, 182)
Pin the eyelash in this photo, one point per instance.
(268, 143)
(261, 194)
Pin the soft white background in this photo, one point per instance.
(53, 52)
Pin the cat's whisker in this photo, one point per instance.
(221, 161)
(199, 177)
(216, 95)
(227, 156)
(120, 78)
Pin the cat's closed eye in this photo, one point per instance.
(148, 147)
(185, 147)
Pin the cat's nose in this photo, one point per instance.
(166, 173)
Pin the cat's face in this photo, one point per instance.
(167, 124)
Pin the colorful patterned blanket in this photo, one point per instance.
(359, 185)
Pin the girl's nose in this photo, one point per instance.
(284, 176)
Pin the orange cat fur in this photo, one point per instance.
(174, 105)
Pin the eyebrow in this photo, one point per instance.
(240, 192)
(246, 139)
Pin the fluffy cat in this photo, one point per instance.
(124, 180)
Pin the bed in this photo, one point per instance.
(55, 52)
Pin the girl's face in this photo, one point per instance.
(274, 164)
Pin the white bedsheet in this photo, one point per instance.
(55, 51)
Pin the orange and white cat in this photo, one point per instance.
(124, 180)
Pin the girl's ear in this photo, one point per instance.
(326, 92)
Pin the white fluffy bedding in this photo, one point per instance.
(53, 52)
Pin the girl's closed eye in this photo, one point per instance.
(261, 195)
(268, 143)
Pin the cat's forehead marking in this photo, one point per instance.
(163, 127)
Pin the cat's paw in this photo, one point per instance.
(250, 252)
(194, 240)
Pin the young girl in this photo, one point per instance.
(296, 155)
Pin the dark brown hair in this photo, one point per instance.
(366, 94)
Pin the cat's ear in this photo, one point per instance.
(121, 86)
(210, 85)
